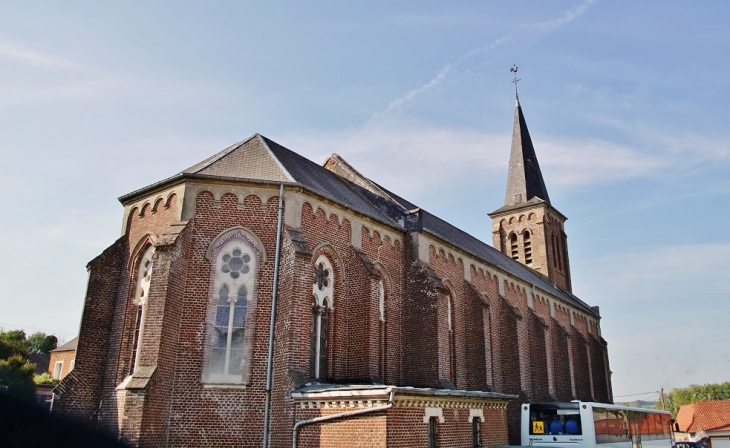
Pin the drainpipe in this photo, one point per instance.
(275, 288)
(325, 418)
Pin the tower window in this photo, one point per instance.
(528, 247)
(557, 249)
(514, 248)
(518, 198)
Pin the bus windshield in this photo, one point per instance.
(555, 419)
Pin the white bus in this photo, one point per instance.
(586, 424)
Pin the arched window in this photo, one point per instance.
(235, 266)
(528, 247)
(448, 313)
(452, 337)
(513, 247)
(141, 295)
(322, 294)
(381, 300)
(382, 338)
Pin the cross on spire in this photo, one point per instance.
(513, 69)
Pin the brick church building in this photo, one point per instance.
(259, 298)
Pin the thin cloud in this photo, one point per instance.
(445, 156)
(407, 98)
(531, 30)
(656, 274)
(62, 79)
(576, 163)
(518, 34)
(17, 52)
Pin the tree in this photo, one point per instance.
(9, 348)
(686, 395)
(39, 342)
(45, 378)
(16, 378)
(13, 335)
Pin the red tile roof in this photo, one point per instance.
(710, 415)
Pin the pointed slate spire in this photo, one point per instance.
(524, 179)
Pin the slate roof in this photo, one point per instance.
(70, 345)
(712, 415)
(40, 360)
(524, 177)
(261, 159)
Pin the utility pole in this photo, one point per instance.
(661, 394)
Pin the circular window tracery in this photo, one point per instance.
(322, 276)
(236, 263)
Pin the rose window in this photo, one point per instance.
(321, 277)
(236, 263)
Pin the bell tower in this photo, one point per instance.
(527, 228)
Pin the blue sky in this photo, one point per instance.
(627, 105)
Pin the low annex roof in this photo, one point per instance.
(67, 347)
(258, 158)
(323, 391)
(711, 415)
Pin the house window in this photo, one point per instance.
(235, 265)
(322, 294)
(514, 248)
(144, 278)
(528, 247)
(57, 368)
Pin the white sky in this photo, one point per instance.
(626, 102)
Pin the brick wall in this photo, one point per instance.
(80, 392)
(402, 426)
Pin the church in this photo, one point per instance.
(260, 299)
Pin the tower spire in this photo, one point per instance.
(524, 178)
(527, 228)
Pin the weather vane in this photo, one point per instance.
(513, 69)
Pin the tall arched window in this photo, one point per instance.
(322, 294)
(230, 331)
(381, 300)
(141, 295)
(452, 339)
(382, 352)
